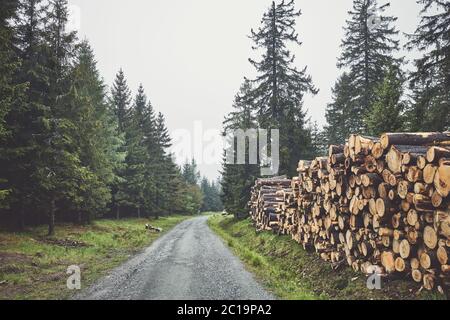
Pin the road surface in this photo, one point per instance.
(189, 262)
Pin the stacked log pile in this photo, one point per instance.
(267, 203)
(380, 202)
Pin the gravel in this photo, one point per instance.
(189, 262)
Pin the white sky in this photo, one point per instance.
(191, 55)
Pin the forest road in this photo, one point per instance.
(189, 262)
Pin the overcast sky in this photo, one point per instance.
(191, 55)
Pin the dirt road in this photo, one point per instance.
(189, 262)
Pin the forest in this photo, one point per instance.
(71, 148)
(375, 92)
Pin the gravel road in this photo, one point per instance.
(189, 262)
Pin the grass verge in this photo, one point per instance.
(33, 266)
(291, 273)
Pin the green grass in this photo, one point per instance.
(33, 266)
(290, 272)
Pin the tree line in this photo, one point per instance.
(374, 93)
(69, 149)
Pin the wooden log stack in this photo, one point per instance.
(267, 203)
(381, 202)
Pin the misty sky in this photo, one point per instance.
(191, 55)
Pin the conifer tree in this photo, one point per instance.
(338, 113)
(279, 87)
(119, 100)
(137, 181)
(10, 92)
(387, 110)
(97, 137)
(237, 179)
(368, 47)
(431, 80)
(25, 125)
(59, 170)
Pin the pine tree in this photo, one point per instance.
(119, 101)
(191, 193)
(164, 184)
(369, 44)
(387, 110)
(431, 79)
(25, 125)
(318, 140)
(137, 181)
(211, 196)
(237, 179)
(59, 168)
(97, 136)
(279, 87)
(10, 92)
(190, 172)
(340, 122)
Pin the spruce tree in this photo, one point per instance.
(137, 182)
(164, 170)
(119, 100)
(97, 137)
(431, 80)
(26, 124)
(369, 45)
(10, 92)
(340, 122)
(279, 87)
(387, 110)
(59, 169)
(237, 179)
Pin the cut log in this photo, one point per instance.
(394, 157)
(434, 154)
(429, 281)
(442, 178)
(405, 249)
(442, 255)
(415, 139)
(428, 173)
(388, 261)
(430, 237)
(416, 275)
(442, 223)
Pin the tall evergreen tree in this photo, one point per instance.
(237, 179)
(25, 125)
(137, 181)
(211, 194)
(97, 137)
(59, 168)
(387, 110)
(369, 44)
(190, 172)
(279, 87)
(340, 122)
(431, 79)
(9, 91)
(119, 101)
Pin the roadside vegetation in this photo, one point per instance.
(290, 272)
(33, 266)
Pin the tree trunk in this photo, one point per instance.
(415, 139)
(117, 212)
(51, 220)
